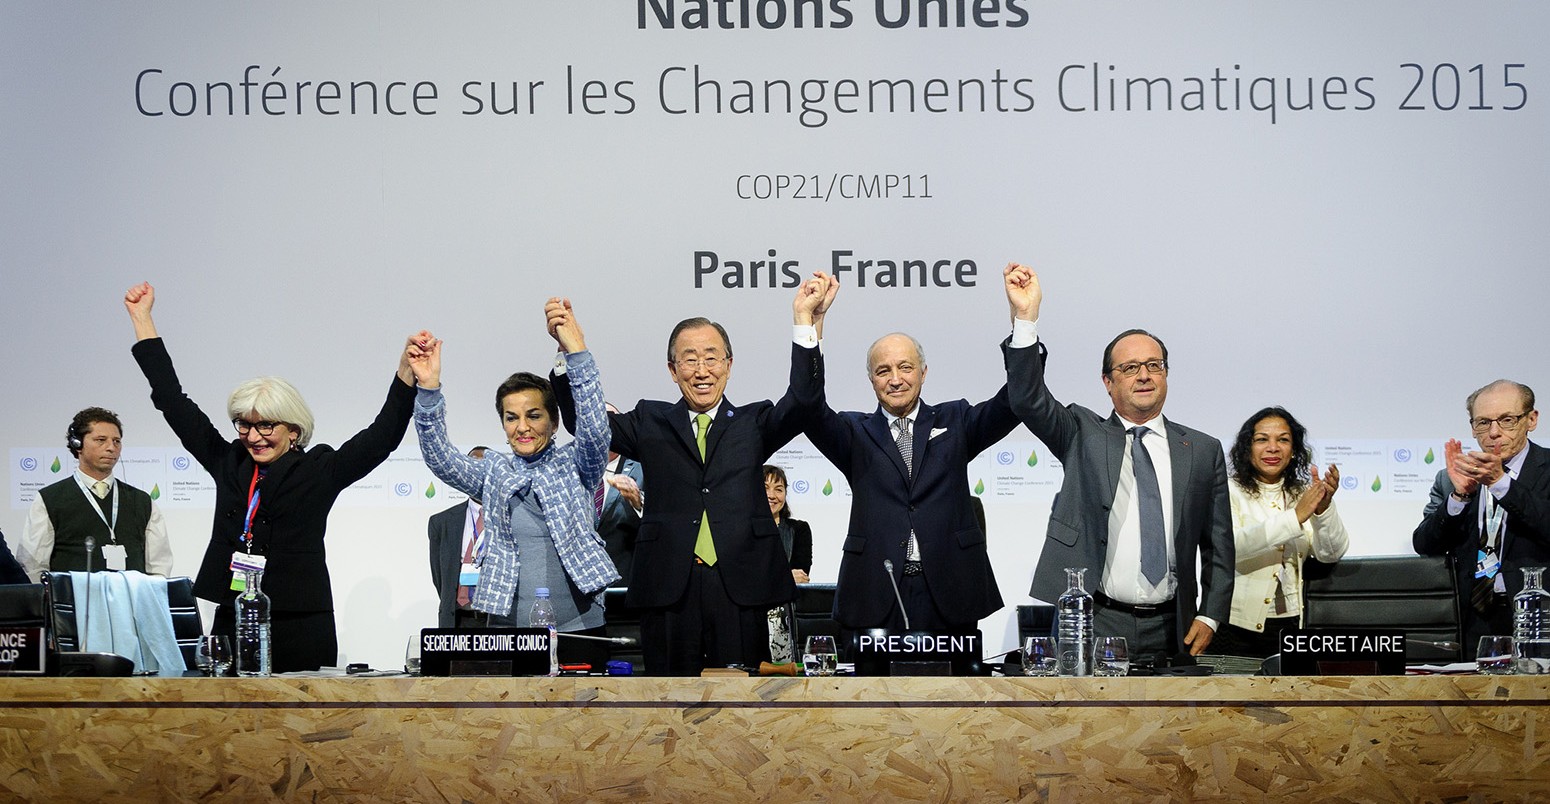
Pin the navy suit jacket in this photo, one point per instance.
(1526, 542)
(1091, 449)
(728, 484)
(887, 501)
(445, 530)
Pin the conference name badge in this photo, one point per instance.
(468, 575)
(115, 556)
(244, 562)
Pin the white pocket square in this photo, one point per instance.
(936, 431)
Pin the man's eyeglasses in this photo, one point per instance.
(264, 428)
(1132, 369)
(696, 363)
(1508, 422)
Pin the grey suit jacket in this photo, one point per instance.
(1091, 448)
(446, 538)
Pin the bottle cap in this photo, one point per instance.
(542, 591)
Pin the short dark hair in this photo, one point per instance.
(773, 472)
(693, 323)
(1526, 392)
(1108, 351)
(83, 421)
(1296, 475)
(524, 381)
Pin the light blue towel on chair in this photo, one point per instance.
(127, 613)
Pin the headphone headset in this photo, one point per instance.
(73, 437)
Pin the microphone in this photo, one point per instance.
(80, 641)
(888, 565)
(614, 640)
(1444, 645)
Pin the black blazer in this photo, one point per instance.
(887, 502)
(801, 544)
(10, 569)
(728, 484)
(1091, 450)
(445, 530)
(295, 495)
(1526, 542)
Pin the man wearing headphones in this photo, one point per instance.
(90, 520)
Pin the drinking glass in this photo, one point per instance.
(1494, 657)
(412, 656)
(1111, 657)
(1040, 658)
(821, 657)
(213, 655)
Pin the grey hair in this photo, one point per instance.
(920, 351)
(1526, 392)
(273, 399)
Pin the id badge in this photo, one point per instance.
(242, 562)
(115, 556)
(468, 575)
(1487, 565)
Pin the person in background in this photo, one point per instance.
(622, 505)
(795, 535)
(1283, 511)
(540, 507)
(454, 537)
(273, 488)
(1490, 508)
(797, 538)
(124, 524)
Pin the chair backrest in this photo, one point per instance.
(23, 605)
(619, 620)
(1413, 594)
(186, 624)
(813, 614)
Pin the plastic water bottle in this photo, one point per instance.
(1530, 642)
(543, 617)
(253, 627)
(1074, 629)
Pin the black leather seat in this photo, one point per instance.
(23, 605)
(813, 610)
(813, 614)
(186, 624)
(621, 620)
(1413, 594)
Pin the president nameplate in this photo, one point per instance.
(882, 652)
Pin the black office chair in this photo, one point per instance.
(1413, 594)
(186, 624)
(813, 614)
(23, 605)
(620, 620)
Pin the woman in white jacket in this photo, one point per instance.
(1283, 511)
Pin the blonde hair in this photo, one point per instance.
(273, 399)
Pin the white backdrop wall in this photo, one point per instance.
(1363, 262)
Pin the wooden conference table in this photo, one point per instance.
(743, 739)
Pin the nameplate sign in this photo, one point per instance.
(484, 652)
(881, 652)
(1342, 652)
(22, 651)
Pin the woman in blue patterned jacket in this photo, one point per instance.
(539, 506)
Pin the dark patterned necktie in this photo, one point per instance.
(1154, 536)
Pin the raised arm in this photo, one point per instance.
(430, 424)
(586, 390)
(194, 429)
(804, 397)
(367, 449)
(1031, 400)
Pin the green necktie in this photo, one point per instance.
(704, 548)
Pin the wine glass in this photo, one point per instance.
(821, 657)
(1111, 657)
(213, 655)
